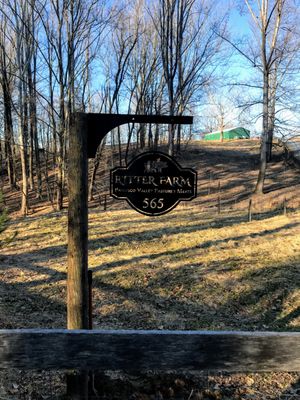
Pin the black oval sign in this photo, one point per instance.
(153, 183)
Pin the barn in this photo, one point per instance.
(232, 133)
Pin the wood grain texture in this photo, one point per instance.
(77, 280)
(150, 350)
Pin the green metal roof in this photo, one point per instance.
(232, 133)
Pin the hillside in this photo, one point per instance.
(193, 268)
(227, 170)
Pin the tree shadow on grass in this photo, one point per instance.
(195, 302)
(177, 306)
(177, 309)
(35, 261)
(150, 234)
(205, 245)
(22, 308)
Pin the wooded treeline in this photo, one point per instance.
(141, 57)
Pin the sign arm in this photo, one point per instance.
(99, 125)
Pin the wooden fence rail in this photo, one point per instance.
(133, 350)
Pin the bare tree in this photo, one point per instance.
(272, 53)
(144, 73)
(7, 82)
(72, 30)
(21, 12)
(189, 44)
(219, 113)
(118, 54)
(267, 14)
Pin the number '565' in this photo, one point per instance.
(153, 203)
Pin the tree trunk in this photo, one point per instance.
(7, 109)
(178, 141)
(8, 137)
(24, 167)
(33, 125)
(150, 137)
(95, 168)
(59, 193)
(264, 139)
(31, 155)
(222, 135)
(23, 136)
(156, 137)
(271, 111)
(130, 131)
(171, 135)
(61, 151)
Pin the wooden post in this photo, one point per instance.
(90, 278)
(77, 277)
(250, 211)
(77, 285)
(284, 208)
(219, 197)
(77, 384)
(105, 203)
(210, 182)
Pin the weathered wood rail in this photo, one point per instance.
(133, 350)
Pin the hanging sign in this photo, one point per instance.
(153, 183)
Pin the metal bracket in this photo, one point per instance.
(99, 125)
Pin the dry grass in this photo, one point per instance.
(190, 269)
(186, 270)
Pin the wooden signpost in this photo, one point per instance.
(86, 133)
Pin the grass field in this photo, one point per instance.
(187, 270)
(190, 269)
